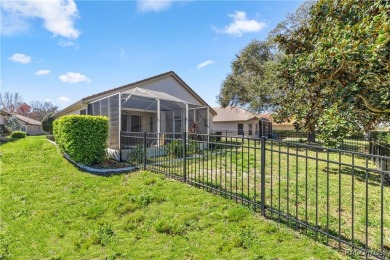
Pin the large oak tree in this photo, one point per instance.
(334, 74)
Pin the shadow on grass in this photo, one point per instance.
(373, 178)
(314, 233)
(291, 222)
(8, 140)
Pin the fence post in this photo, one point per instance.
(120, 146)
(185, 156)
(144, 157)
(262, 172)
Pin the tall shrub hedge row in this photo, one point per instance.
(82, 137)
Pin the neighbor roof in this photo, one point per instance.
(27, 120)
(4, 113)
(81, 103)
(231, 113)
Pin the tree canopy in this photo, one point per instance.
(340, 59)
(334, 67)
(252, 80)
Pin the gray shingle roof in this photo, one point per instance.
(230, 114)
(28, 120)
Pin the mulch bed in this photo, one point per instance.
(111, 164)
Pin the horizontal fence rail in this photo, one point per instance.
(355, 143)
(338, 197)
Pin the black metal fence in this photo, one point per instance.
(382, 148)
(338, 197)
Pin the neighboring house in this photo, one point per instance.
(281, 126)
(160, 104)
(4, 116)
(234, 121)
(29, 125)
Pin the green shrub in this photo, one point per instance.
(175, 148)
(4, 131)
(136, 155)
(47, 123)
(51, 137)
(82, 137)
(384, 136)
(18, 134)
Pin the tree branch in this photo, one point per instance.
(372, 108)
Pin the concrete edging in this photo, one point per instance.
(95, 170)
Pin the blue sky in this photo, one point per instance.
(62, 51)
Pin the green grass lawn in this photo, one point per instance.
(51, 210)
(314, 191)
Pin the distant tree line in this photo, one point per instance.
(13, 103)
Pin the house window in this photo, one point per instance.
(151, 124)
(83, 112)
(135, 123)
(240, 129)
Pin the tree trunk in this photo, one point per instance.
(311, 137)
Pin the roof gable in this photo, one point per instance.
(27, 120)
(168, 82)
(231, 114)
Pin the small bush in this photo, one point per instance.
(175, 148)
(136, 155)
(384, 136)
(47, 123)
(18, 134)
(51, 138)
(82, 137)
(4, 131)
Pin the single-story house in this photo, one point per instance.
(233, 121)
(160, 104)
(279, 126)
(4, 116)
(29, 125)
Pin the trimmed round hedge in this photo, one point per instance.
(18, 134)
(82, 137)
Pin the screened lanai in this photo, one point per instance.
(143, 110)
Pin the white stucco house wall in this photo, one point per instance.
(29, 125)
(236, 121)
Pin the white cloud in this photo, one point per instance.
(241, 25)
(63, 99)
(204, 64)
(47, 100)
(67, 43)
(58, 16)
(11, 24)
(153, 5)
(20, 58)
(74, 77)
(42, 72)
